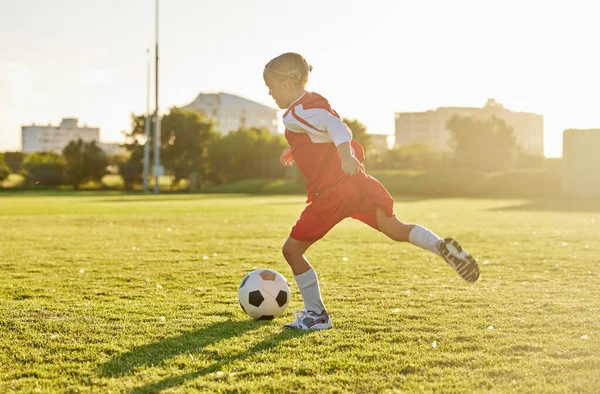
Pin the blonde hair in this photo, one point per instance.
(290, 65)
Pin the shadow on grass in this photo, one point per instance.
(155, 353)
(178, 380)
(555, 205)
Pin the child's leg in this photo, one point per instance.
(376, 210)
(413, 233)
(448, 249)
(305, 275)
(293, 251)
(314, 316)
(324, 212)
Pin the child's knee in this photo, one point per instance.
(292, 248)
(288, 250)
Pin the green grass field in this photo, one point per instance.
(104, 292)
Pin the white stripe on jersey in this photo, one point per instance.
(325, 126)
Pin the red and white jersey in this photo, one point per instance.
(314, 130)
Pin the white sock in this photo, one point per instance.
(424, 238)
(308, 283)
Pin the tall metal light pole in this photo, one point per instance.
(158, 170)
(147, 127)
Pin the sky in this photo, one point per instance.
(87, 59)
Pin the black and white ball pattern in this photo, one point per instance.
(264, 294)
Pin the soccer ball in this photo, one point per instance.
(264, 294)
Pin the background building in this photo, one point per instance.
(429, 128)
(232, 112)
(381, 142)
(54, 138)
(112, 148)
(581, 163)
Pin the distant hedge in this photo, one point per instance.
(451, 183)
(517, 183)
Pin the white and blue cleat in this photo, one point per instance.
(459, 259)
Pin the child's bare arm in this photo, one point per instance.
(350, 164)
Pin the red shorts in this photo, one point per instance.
(357, 197)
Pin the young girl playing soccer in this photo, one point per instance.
(337, 185)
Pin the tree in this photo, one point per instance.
(114, 160)
(487, 144)
(246, 154)
(416, 156)
(4, 169)
(185, 140)
(186, 137)
(95, 162)
(84, 162)
(14, 160)
(131, 171)
(525, 160)
(73, 155)
(45, 169)
(359, 133)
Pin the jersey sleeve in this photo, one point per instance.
(325, 121)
